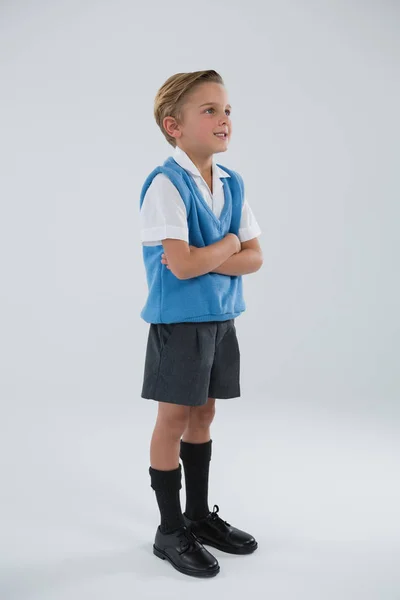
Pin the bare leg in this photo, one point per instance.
(200, 419)
(172, 420)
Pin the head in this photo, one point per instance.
(190, 108)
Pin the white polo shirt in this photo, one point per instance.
(163, 212)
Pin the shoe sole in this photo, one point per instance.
(165, 556)
(229, 549)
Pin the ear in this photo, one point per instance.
(171, 127)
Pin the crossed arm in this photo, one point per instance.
(248, 260)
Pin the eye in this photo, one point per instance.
(227, 110)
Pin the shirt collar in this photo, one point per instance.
(184, 161)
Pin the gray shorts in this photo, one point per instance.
(187, 363)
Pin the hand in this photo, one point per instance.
(164, 259)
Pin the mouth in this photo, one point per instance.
(221, 135)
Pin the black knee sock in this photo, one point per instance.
(167, 485)
(196, 463)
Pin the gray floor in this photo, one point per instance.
(319, 492)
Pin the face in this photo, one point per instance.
(205, 113)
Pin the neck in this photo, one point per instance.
(203, 163)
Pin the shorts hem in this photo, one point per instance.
(172, 402)
(224, 396)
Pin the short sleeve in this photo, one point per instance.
(163, 212)
(249, 228)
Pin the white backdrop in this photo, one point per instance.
(306, 459)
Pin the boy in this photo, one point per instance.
(196, 211)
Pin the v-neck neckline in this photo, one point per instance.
(219, 220)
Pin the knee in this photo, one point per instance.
(173, 423)
(202, 416)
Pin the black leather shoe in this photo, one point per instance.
(213, 531)
(185, 553)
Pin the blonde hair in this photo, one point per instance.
(171, 96)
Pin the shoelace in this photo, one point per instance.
(215, 517)
(187, 540)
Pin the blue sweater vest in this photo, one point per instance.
(208, 297)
